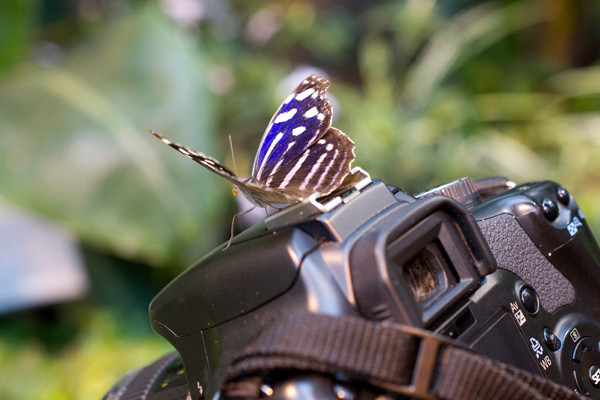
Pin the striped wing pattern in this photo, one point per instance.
(320, 168)
(300, 153)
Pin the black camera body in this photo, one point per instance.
(511, 272)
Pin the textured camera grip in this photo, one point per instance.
(515, 251)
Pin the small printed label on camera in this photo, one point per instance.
(536, 346)
(595, 377)
(575, 336)
(517, 313)
(575, 223)
(538, 350)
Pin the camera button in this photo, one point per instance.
(551, 340)
(562, 195)
(584, 345)
(529, 300)
(549, 209)
(594, 375)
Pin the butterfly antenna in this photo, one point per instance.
(232, 155)
(235, 189)
(233, 224)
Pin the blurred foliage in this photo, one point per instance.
(429, 91)
(79, 152)
(79, 350)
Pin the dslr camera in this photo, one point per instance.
(509, 273)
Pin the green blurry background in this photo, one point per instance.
(429, 91)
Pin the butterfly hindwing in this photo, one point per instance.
(302, 119)
(320, 168)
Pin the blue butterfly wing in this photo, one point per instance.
(302, 119)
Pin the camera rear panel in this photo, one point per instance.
(546, 285)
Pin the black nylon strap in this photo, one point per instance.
(466, 375)
(392, 357)
(321, 343)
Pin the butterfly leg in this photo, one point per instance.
(233, 224)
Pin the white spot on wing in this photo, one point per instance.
(289, 98)
(298, 130)
(286, 116)
(329, 147)
(322, 141)
(320, 117)
(311, 113)
(305, 94)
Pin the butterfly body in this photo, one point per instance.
(299, 154)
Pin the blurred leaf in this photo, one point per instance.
(84, 369)
(462, 38)
(16, 23)
(577, 82)
(423, 123)
(80, 153)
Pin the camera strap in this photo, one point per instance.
(391, 357)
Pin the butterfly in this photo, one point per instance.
(300, 152)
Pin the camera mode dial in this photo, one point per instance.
(581, 358)
(462, 190)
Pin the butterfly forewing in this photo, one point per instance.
(202, 159)
(321, 168)
(302, 119)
